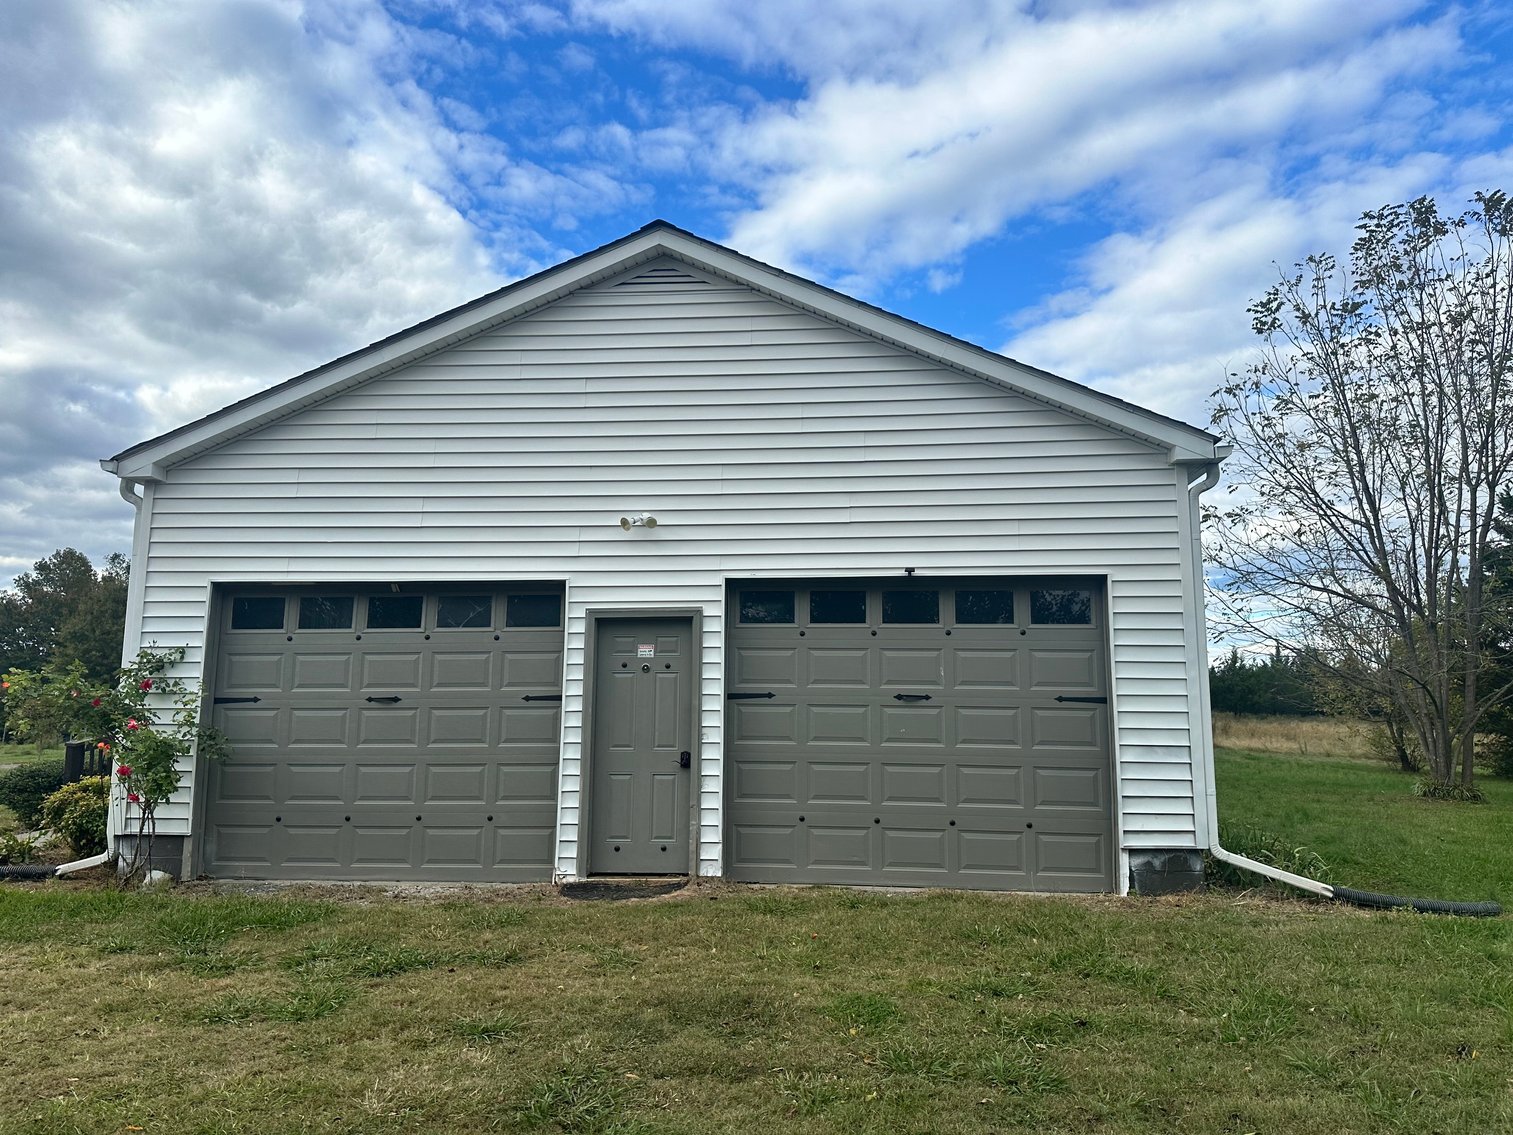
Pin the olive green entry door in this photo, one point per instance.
(642, 753)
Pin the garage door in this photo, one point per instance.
(940, 733)
(386, 734)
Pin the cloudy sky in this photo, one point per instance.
(202, 198)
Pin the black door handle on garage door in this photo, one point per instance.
(390, 700)
(911, 697)
(1095, 701)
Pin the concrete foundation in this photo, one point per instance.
(168, 852)
(1165, 872)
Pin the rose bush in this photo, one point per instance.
(147, 725)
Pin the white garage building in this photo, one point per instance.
(666, 561)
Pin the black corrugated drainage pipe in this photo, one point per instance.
(1354, 897)
(32, 871)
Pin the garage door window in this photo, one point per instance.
(325, 612)
(533, 611)
(464, 612)
(1061, 605)
(977, 607)
(766, 606)
(837, 606)
(911, 606)
(395, 612)
(257, 613)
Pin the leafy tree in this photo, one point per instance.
(91, 632)
(1374, 436)
(64, 610)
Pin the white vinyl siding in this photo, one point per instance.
(768, 443)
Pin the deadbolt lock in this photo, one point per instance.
(685, 759)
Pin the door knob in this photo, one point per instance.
(685, 759)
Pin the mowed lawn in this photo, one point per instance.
(733, 1009)
(13, 755)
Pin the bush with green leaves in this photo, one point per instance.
(17, 850)
(23, 789)
(1499, 756)
(77, 812)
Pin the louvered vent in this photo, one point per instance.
(661, 277)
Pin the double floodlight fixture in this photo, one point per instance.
(642, 520)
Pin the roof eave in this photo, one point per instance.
(149, 460)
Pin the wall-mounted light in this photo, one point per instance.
(643, 520)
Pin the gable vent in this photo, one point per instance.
(661, 277)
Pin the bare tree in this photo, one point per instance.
(1373, 436)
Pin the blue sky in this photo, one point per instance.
(202, 198)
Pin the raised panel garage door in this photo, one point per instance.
(386, 735)
(938, 733)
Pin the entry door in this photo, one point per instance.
(643, 743)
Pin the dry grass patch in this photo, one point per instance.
(1302, 736)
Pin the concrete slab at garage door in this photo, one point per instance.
(383, 735)
(930, 733)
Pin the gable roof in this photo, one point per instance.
(150, 460)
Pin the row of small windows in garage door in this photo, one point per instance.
(968, 606)
(394, 612)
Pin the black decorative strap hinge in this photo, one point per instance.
(542, 697)
(235, 701)
(911, 697)
(749, 697)
(390, 700)
(1096, 701)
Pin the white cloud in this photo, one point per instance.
(200, 200)
(880, 176)
(1159, 315)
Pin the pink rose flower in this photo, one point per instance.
(123, 771)
(132, 723)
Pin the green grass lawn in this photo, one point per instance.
(735, 1009)
(11, 755)
(1363, 821)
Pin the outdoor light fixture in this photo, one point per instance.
(643, 520)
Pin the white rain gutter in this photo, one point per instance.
(126, 488)
(85, 864)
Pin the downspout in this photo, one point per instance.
(1205, 737)
(29, 871)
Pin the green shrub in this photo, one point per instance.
(23, 789)
(77, 813)
(1499, 755)
(16, 850)
(1442, 790)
